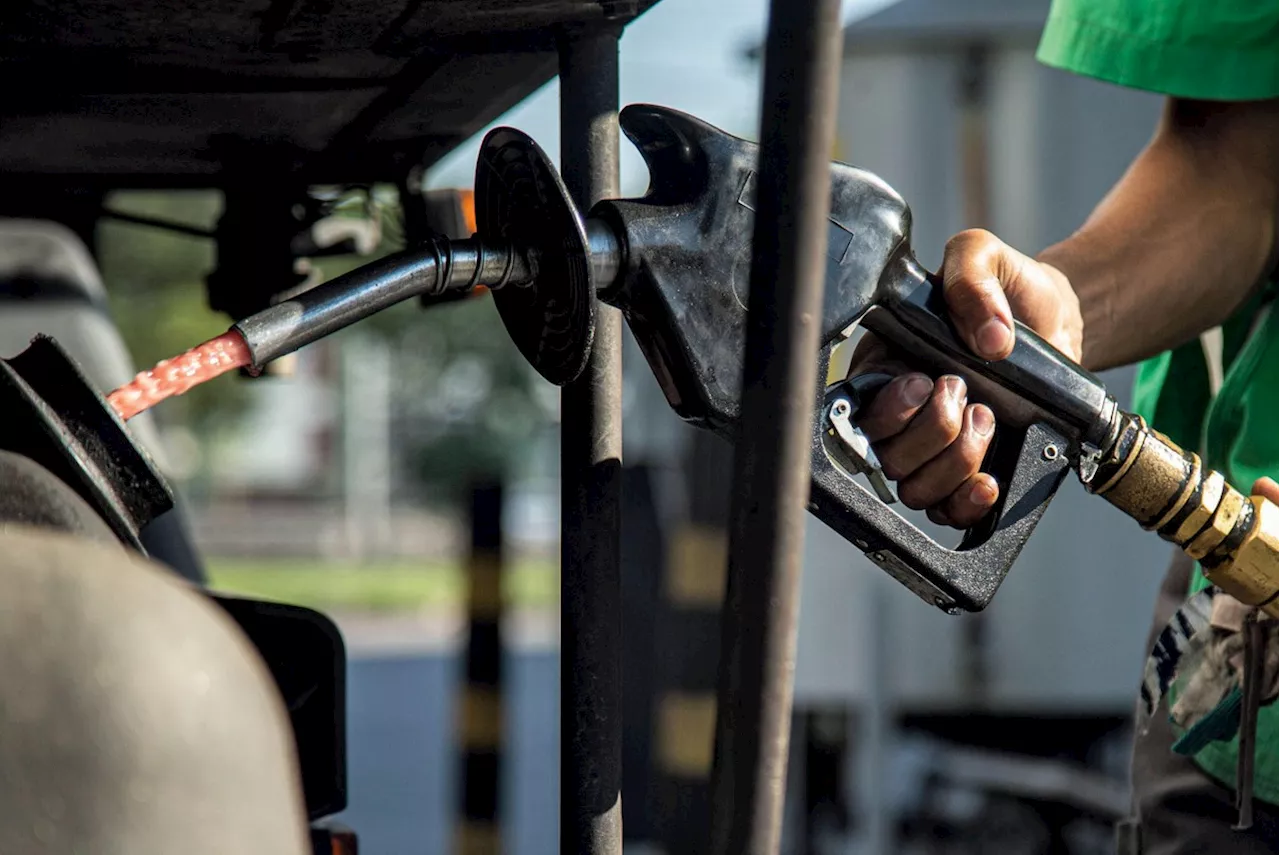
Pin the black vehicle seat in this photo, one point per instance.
(49, 284)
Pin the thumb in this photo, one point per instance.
(971, 284)
(1268, 489)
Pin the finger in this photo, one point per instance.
(869, 350)
(938, 517)
(872, 354)
(1268, 489)
(895, 406)
(930, 431)
(936, 480)
(972, 501)
(972, 287)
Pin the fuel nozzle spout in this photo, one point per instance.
(439, 267)
(1169, 491)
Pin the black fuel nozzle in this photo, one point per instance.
(682, 287)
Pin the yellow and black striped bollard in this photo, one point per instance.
(691, 599)
(480, 717)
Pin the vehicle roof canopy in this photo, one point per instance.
(134, 93)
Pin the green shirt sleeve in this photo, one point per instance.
(1212, 50)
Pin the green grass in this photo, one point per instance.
(384, 586)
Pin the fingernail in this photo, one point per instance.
(916, 390)
(983, 421)
(992, 338)
(981, 494)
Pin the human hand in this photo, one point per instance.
(1267, 489)
(928, 436)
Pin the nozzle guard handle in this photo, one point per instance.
(1029, 464)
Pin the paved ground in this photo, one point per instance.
(382, 636)
(402, 678)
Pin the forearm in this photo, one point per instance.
(1182, 239)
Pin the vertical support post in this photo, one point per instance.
(590, 472)
(480, 718)
(771, 456)
(975, 189)
(643, 539)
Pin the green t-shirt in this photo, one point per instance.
(1214, 50)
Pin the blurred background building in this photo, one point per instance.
(341, 486)
(945, 101)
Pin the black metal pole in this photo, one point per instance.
(771, 456)
(590, 492)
